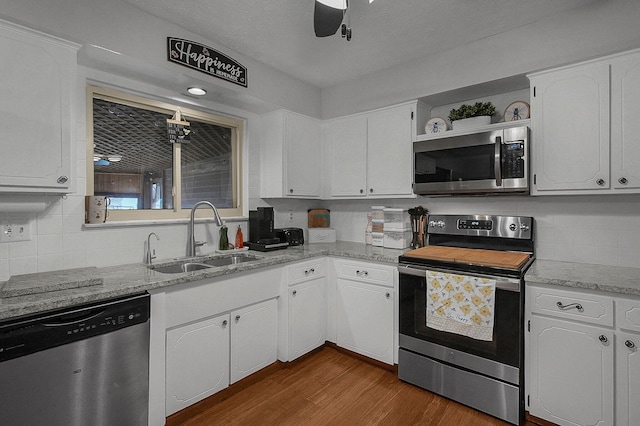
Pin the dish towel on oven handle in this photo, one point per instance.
(461, 304)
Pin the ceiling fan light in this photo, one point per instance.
(336, 4)
(326, 18)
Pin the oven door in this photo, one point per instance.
(499, 358)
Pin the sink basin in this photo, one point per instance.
(189, 265)
(230, 260)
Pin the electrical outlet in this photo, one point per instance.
(10, 232)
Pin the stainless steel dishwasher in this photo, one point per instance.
(87, 365)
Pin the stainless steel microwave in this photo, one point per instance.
(491, 162)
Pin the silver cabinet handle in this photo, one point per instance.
(237, 318)
(623, 181)
(600, 182)
(224, 323)
(603, 339)
(294, 292)
(630, 344)
(573, 305)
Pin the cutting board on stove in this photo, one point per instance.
(500, 259)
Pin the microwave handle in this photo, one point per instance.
(498, 161)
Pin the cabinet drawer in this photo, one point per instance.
(589, 308)
(366, 272)
(306, 271)
(628, 314)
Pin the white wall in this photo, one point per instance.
(600, 28)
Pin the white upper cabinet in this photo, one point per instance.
(370, 154)
(570, 128)
(585, 134)
(38, 75)
(625, 126)
(290, 156)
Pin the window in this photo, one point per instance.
(131, 159)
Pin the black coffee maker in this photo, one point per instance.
(262, 236)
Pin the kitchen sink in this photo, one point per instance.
(189, 265)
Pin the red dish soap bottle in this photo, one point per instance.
(239, 238)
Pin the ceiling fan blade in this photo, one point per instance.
(326, 19)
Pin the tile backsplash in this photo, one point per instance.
(586, 229)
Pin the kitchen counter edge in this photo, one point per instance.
(123, 280)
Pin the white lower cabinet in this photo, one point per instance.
(205, 357)
(582, 359)
(365, 309)
(254, 338)
(628, 379)
(573, 380)
(197, 362)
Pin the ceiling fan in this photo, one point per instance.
(329, 16)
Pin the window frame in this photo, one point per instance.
(237, 131)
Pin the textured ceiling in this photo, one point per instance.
(386, 33)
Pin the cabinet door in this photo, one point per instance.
(307, 313)
(254, 338)
(570, 129)
(390, 152)
(348, 142)
(302, 152)
(197, 363)
(365, 319)
(571, 372)
(628, 379)
(36, 85)
(625, 126)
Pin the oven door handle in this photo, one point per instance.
(502, 283)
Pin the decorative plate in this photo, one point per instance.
(436, 125)
(518, 110)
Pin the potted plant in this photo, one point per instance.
(474, 115)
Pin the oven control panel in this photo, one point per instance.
(475, 224)
(510, 227)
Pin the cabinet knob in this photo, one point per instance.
(630, 344)
(623, 181)
(362, 191)
(62, 179)
(224, 323)
(388, 295)
(237, 318)
(600, 182)
(294, 292)
(603, 339)
(291, 191)
(371, 190)
(572, 305)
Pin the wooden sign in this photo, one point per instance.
(178, 130)
(207, 60)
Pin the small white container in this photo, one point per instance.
(397, 238)
(377, 239)
(396, 218)
(321, 235)
(377, 213)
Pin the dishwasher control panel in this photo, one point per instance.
(32, 334)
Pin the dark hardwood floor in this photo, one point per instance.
(330, 387)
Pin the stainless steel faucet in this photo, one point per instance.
(150, 255)
(192, 243)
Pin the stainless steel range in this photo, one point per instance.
(461, 311)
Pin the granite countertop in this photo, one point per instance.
(62, 289)
(611, 279)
